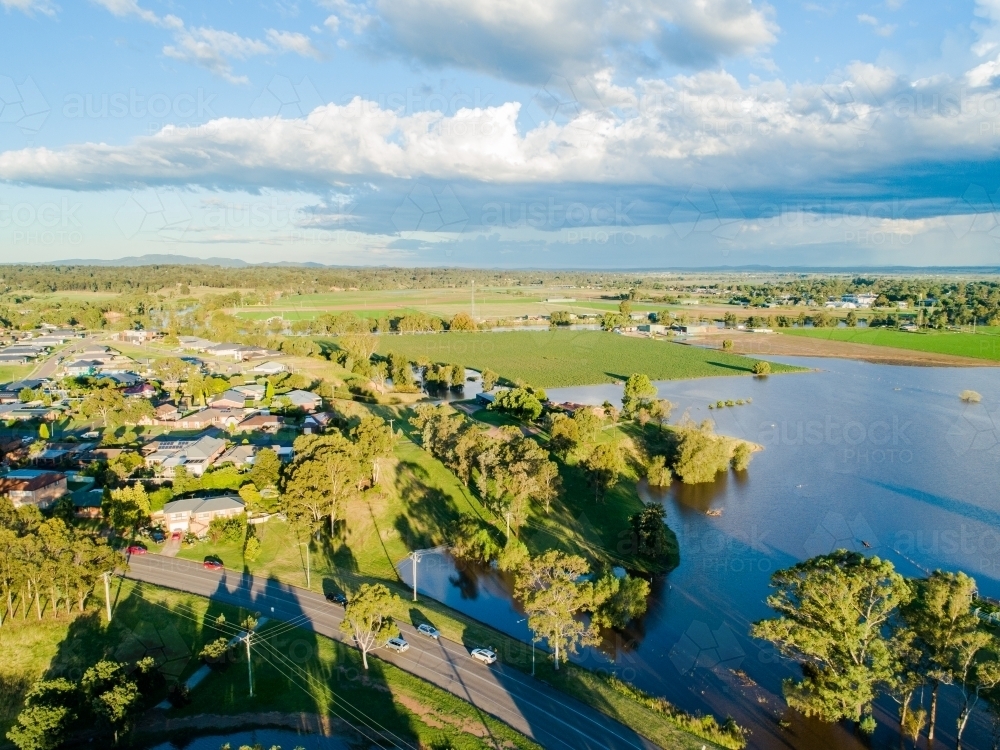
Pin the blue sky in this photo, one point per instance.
(585, 133)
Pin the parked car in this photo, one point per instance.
(337, 599)
(177, 535)
(428, 630)
(157, 536)
(135, 549)
(212, 565)
(91, 435)
(397, 644)
(485, 655)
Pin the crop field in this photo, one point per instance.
(978, 345)
(562, 358)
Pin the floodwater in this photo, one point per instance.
(881, 459)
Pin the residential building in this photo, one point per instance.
(251, 390)
(87, 503)
(231, 399)
(83, 367)
(137, 337)
(33, 487)
(485, 399)
(304, 400)
(316, 422)
(270, 368)
(194, 455)
(195, 514)
(262, 422)
(240, 456)
(196, 343)
(653, 328)
(141, 390)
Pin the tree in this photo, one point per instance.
(268, 392)
(113, 696)
(374, 439)
(367, 618)
(102, 402)
(761, 368)
(564, 435)
(624, 599)
(324, 474)
(588, 424)
(942, 620)
(489, 379)
(638, 391)
(127, 507)
(658, 474)
(462, 322)
(358, 346)
(266, 468)
(604, 464)
(834, 611)
(742, 453)
(552, 594)
(649, 528)
(700, 454)
(50, 708)
(43, 431)
(519, 402)
(727, 345)
(851, 319)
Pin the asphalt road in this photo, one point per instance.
(550, 718)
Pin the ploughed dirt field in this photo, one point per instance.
(764, 344)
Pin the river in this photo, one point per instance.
(854, 454)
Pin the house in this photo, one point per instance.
(316, 422)
(87, 503)
(11, 392)
(83, 367)
(33, 487)
(122, 378)
(485, 399)
(262, 422)
(231, 399)
(137, 337)
(20, 413)
(240, 456)
(690, 329)
(167, 412)
(303, 399)
(270, 368)
(653, 328)
(194, 514)
(96, 455)
(196, 343)
(252, 390)
(194, 455)
(141, 390)
(226, 418)
(13, 359)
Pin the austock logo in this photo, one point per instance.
(702, 647)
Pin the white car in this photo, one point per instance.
(484, 655)
(429, 631)
(397, 644)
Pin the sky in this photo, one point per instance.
(502, 133)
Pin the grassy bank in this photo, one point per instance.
(564, 358)
(978, 345)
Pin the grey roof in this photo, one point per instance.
(205, 447)
(203, 504)
(299, 396)
(232, 395)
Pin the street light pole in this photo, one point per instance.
(249, 662)
(308, 566)
(415, 557)
(107, 595)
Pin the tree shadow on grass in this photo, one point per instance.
(428, 512)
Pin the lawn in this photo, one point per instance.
(563, 358)
(10, 373)
(978, 345)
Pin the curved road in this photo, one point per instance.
(551, 719)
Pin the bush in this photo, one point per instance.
(727, 345)
(761, 368)
(701, 455)
(215, 653)
(742, 454)
(658, 474)
(970, 397)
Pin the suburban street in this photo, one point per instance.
(528, 705)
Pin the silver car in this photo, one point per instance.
(428, 630)
(397, 644)
(484, 655)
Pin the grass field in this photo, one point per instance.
(10, 373)
(978, 345)
(562, 358)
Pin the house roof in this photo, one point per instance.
(88, 363)
(232, 395)
(204, 504)
(22, 483)
(299, 396)
(261, 419)
(269, 366)
(239, 454)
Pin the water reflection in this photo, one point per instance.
(256, 737)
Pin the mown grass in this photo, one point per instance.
(984, 345)
(565, 358)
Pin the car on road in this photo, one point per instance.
(429, 630)
(485, 655)
(212, 565)
(135, 549)
(337, 599)
(397, 644)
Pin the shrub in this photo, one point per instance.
(970, 397)
(761, 368)
(742, 454)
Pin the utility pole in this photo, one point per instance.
(308, 567)
(107, 594)
(415, 557)
(473, 299)
(508, 525)
(249, 663)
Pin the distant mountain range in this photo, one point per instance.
(185, 260)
